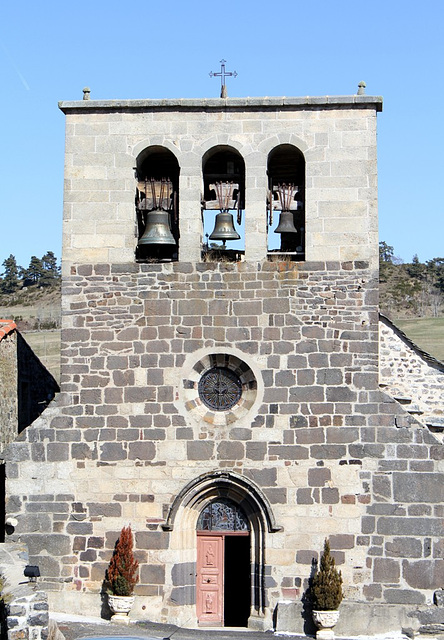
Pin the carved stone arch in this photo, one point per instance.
(200, 491)
(283, 138)
(222, 140)
(152, 143)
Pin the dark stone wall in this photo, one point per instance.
(313, 329)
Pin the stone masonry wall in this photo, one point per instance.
(332, 454)
(27, 612)
(8, 385)
(336, 135)
(412, 376)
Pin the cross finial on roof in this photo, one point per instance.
(223, 74)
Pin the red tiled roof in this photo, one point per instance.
(6, 327)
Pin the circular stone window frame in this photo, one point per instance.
(204, 360)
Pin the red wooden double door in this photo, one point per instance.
(223, 581)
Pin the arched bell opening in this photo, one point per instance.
(231, 514)
(157, 205)
(223, 202)
(286, 203)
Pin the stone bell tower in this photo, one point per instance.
(219, 368)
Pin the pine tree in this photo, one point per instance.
(50, 269)
(34, 272)
(10, 282)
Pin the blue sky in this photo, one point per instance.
(50, 50)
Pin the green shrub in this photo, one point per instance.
(325, 591)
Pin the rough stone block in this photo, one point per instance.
(57, 452)
(288, 452)
(318, 476)
(403, 596)
(386, 571)
(107, 509)
(230, 451)
(306, 557)
(423, 574)
(404, 547)
(263, 477)
(152, 539)
(304, 496)
(418, 487)
(183, 574)
(141, 451)
(54, 545)
(342, 541)
(409, 526)
(112, 451)
(200, 450)
(276, 495)
(152, 574)
(328, 451)
(183, 595)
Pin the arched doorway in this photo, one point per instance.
(223, 584)
(216, 486)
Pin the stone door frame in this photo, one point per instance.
(208, 487)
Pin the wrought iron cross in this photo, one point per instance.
(223, 74)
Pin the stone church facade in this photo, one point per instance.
(226, 403)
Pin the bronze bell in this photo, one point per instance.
(224, 228)
(157, 229)
(286, 224)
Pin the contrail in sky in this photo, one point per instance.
(14, 66)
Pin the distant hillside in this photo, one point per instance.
(33, 308)
(411, 289)
(37, 313)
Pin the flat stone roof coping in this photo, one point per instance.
(265, 103)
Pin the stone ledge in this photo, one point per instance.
(184, 104)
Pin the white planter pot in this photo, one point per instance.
(120, 607)
(325, 621)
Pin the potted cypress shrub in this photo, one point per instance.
(325, 594)
(121, 577)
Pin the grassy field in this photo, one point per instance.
(46, 346)
(426, 333)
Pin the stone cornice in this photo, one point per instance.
(226, 104)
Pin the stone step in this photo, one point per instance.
(402, 399)
(435, 424)
(414, 409)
